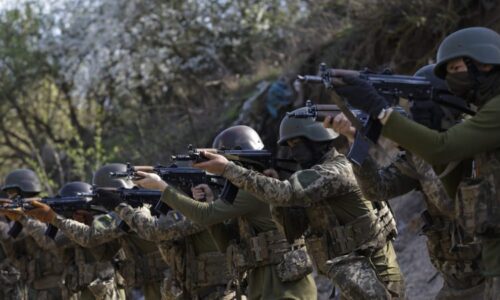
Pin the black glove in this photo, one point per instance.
(362, 95)
(107, 199)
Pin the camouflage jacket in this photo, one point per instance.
(331, 197)
(457, 262)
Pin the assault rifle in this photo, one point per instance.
(259, 160)
(391, 87)
(183, 178)
(65, 206)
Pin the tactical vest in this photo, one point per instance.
(82, 271)
(478, 198)
(326, 238)
(458, 263)
(267, 248)
(39, 268)
(449, 250)
(138, 268)
(191, 273)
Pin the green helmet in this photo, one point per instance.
(478, 43)
(74, 189)
(102, 179)
(304, 127)
(23, 179)
(238, 137)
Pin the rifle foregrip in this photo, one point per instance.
(51, 231)
(15, 230)
(229, 192)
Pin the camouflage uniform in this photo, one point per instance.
(139, 262)
(259, 250)
(197, 268)
(12, 287)
(39, 269)
(347, 237)
(457, 262)
(83, 277)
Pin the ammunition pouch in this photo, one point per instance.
(456, 261)
(475, 206)
(270, 248)
(210, 269)
(368, 232)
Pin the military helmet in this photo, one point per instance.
(304, 127)
(428, 72)
(23, 179)
(239, 137)
(102, 177)
(75, 188)
(478, 43)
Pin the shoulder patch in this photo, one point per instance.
(307, 177)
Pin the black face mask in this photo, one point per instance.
(461, 84)
(303, 154)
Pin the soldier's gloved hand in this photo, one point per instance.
(362, 95)
(41, 211)
(202, 192)
(215, 164)
(150, 181)
(107, 198)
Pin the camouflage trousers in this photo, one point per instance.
(492, 288)
(357, 280)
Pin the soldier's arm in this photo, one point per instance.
(475, 135)
(36, 230)
(208, 214)
(381, 184)
(103, 229)
(163, 228)
(302, 188)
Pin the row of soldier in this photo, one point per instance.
(330, 214)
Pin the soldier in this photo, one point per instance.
(84, 276)
(39, 269)
(457, 261)
(197, 270)
(468, 60)
(347, 237)
(140, 263)
(274, 269)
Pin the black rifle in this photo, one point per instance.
(183, 178)
(391, 87)
(259, 160)
(65, 206)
